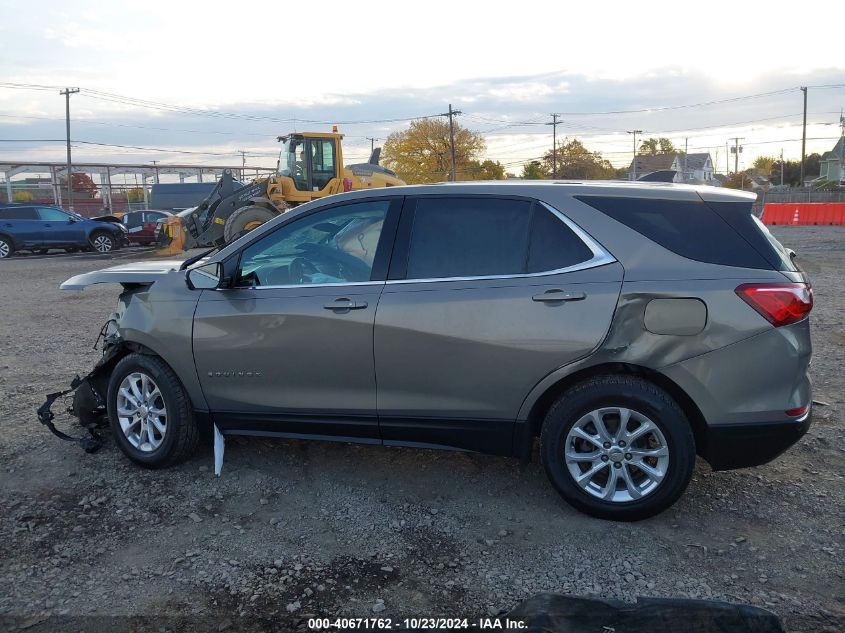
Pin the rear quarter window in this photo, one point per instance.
(553, 245)
(688, 228)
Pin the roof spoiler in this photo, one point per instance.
(661, 175)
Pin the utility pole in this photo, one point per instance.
(686, 147)
(781, 168)
(372, 141)
(804, 136)
(737, 149)
(554, 144)
(452, 113)
(67, 92)
(634, 162)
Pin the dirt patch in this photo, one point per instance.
(95, 538)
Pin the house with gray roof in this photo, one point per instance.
(832, 163)
(690, 168)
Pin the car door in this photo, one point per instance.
(147, 233)
(23, 224)
(485, 297)
(59, 228)
(134, 223)
(288, 349)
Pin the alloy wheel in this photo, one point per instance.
(616, 454)
(5, 251)
(141, 412)
(103, 243)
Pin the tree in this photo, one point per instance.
(792, 170)
(574, 161)
(81, 183)
(738, 180)
(22, 196)
(654, 146)
(763, 165)
(485, 170)
(534, 170)
(136, 194)
(422, 153)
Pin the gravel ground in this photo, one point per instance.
(296, 528)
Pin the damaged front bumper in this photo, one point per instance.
(89, 395)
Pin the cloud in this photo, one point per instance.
(510, 111)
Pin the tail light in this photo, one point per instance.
(779, 304)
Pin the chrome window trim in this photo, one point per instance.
(600, 258)
(333, 284)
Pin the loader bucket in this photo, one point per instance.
(172, 239)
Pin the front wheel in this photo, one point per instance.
(245, 220)
(6, 247)
(150, 413)
(102, 242)
(618, 447)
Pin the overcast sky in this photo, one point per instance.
(276, 66)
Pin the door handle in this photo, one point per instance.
(555, 296)
(344, 303)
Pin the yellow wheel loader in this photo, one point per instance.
(310, 166)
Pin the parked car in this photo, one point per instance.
(141, 225)
(627, 326)
(40, 228)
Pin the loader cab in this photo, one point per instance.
(312, 162)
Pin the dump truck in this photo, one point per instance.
(310, 166)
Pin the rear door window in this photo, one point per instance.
(19, 213)
(468, 237)
(686, 227)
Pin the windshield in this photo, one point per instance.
(288, 156)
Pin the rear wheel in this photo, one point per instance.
(149, 412)
(245, 220)
(618, 447)
(102, 242)
(6, 247)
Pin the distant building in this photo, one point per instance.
(690, 168)
(832, 163)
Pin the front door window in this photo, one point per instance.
(333, 246)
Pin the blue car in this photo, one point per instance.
(39, 228)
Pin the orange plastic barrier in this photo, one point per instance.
(804, 213)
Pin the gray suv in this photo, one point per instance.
(628, 326)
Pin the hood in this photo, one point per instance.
(134, 273)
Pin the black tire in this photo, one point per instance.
(104, 238)
(7, 249)
(43, 251)
(239, 222)
(180, 439)
(638, 395)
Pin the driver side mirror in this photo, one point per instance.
(205, 277)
